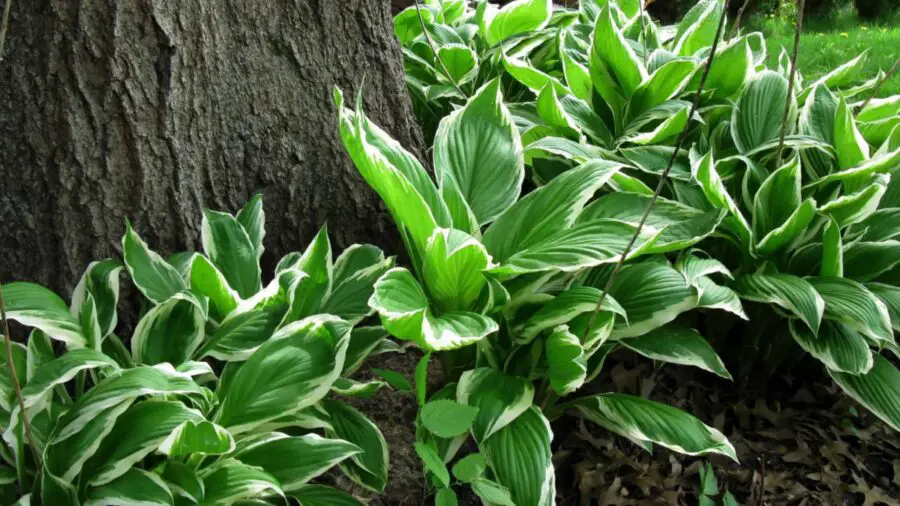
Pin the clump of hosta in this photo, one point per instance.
(503, 287)
(160, 421)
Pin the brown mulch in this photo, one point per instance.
(800, 444)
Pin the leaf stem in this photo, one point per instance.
(662, 179)
(15, 377)
(737, 20)
(435, 51)
(792, 77)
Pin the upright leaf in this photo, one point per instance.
(151, 274)
(520, 457)
(229, 247)
(757, 115)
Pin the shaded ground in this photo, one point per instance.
(808, 445)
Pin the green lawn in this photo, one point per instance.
(827, 42)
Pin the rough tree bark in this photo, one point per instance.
(153, 109)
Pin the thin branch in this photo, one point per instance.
(4, 24)
(435, 51)
(15, 379)
(643, 32)
(792, 77)
(887, 76)
(662, 179)
(737, 20)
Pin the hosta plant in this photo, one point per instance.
(222, 394)
(503, 288)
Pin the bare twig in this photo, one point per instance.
(4, 24)
(435, 51)
(662, 179)
(737, 20)
(643, 32)
(15, 379)
(792, 75)
(887, 76)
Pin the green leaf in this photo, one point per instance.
(730, 69)
(60, 371)
(864, 261)
(35, 306)
(353, 286)
(545, 211)
(397, 380)
(452, 269)
(134, 487)
(479, 149)
(422, 379)
(678, 345)
(652, 294)
(197, 437)
(564, 308)
(240, 335)
(407, 26)
(789, 292)
(856, 207)
(679, 226)
(611, 48)
(837, 346)
(469, 468)
(757, 115)
(208, 281)
(697, 29)
(447, 418)
(551, 110)
(229, 481)
(854, 305)
(704, 172)
(666, 121)
(169, 332)
(817, 121)
(713, 296)
(403, 307)
(890, 296)
(795, 225)
(100, 281)
(153, 276)
(584, 245)
(645, 421)
(492, 492)
(291, 371)
(253, 219)
(228, 246)
(433, 463)
(369, 468)
(183, 481)
(500, 399)
(136, 434)
(352, 388)
(777, 198)
(445, 497)
(517, 17)
(566, 361)
(295, 460)
(320, 495)
(849, 144)
(876, 390)
(308, 294)
(363, 342)
(520, 457)
(460, 61)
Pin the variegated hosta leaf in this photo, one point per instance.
(403, 307)
(698, 28)
(678, 345)
(101, 281)
(817, 121)
(500, 399)
(136, 486)
(890, 296)
(253, 219)
(704, 172)
(460, 61)
(777, 198)
(208, 280)
(479, 149)
(854, 305)
(792, 228)
(452, 269)
(757, 114)
(551, 110)
(795, 294)
(832, 251)
(519, 455)
(516, 17)
(877, 390)
(865, 261)
(652, 294)
(60, 371)
(240, 335)
(879, 163)
(547, 210)
(646, 422)
(679, 226)
(291, 371)
(228, 246)
(658, 125)
(532, 78)
(856, 207)
(849, 144)
(229, 481)
(35, 306)
(715, 296)
(355, 272)
(564, 308)
(80, 430)
(320, 495)
(183, 481)
(585, 245)
(151, 274)
(169, 332)
(393, 174)
(294, 460)
(731, 67)
(136, 434)
(693, 267)
(837, 346)
(662, 85)
(370, 467)
(197, 437)
(566, 361)
(307, 294)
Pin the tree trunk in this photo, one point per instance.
(153, 109)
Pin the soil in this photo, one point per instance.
(802, 443)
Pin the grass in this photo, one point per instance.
(828, 41)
